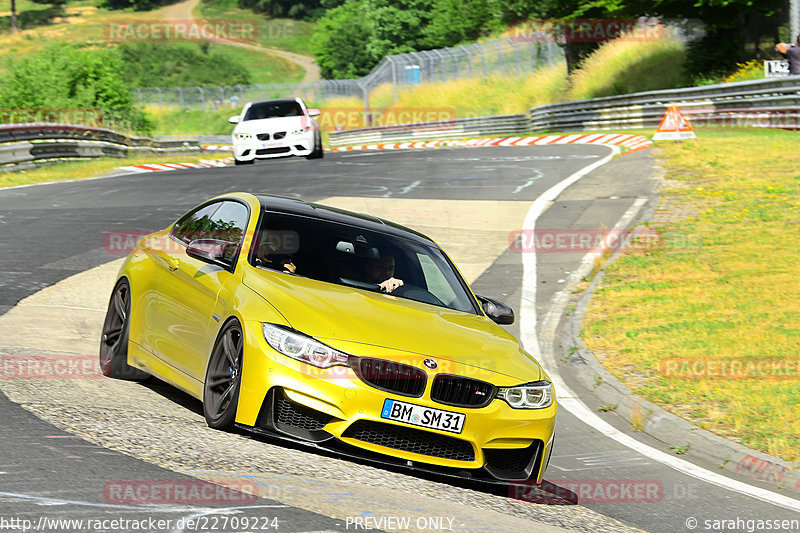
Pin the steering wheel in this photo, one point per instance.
(413, 292)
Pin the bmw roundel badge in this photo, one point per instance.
(430, 363)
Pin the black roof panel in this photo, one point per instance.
(294, 206)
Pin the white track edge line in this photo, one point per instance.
(570, 401)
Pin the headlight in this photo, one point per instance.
(243, 136)
(300, 131)
(298, 346)
(536, 395)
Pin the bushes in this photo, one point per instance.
(66, 77)
(180, 65)
(752, 70)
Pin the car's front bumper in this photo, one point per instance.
(291, 145)
(335, 409)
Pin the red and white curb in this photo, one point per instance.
(631, 142)
(162, 167)
(217, 147)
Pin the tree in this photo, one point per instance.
(14, 28)
(457, 21)
(343, 42)
(353, 37)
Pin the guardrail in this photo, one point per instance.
(777, 100)
(441, 129)
(771, 103)
(26, 145)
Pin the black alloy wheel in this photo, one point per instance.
(223, 377)
(114, 341)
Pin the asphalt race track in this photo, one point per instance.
(53, 231)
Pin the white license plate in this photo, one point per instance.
(271, 145)
(426, 417)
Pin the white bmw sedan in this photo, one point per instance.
(276, 128)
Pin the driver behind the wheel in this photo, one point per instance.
(381, 272)
(270, 253)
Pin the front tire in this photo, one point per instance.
(317, 153)
(114, 342)
(238, 162)
(223, 378)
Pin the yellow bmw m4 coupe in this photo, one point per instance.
(334, 329)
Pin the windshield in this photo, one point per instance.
(358, 258)
(286, 108)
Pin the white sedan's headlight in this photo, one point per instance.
(300, 131)
(298, 346)
(243, 136)
(537, 395)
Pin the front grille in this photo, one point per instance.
(390, 376)
(299, 416)
(269, 151)
(279, 135)
(461, 392)
(262, 136)
(410, 440)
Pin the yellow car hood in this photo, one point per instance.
(358, 321)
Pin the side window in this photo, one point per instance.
(228, 223)
(194, 225)
(435, 280)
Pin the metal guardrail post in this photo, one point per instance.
(499, 57)
(394, 77)
(455, 61)
(516, 53)
(442, 62)
(469, 59)
(483, 59)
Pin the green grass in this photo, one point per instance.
(720, 289)
(284, 34)
(622, 67)
(73, 170)
(88, 28)
(170, 120)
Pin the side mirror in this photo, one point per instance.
(234, 119)
(212, 251)
(499, 312)
(314, 112)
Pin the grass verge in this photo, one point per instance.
(73, 170)
(706, 324)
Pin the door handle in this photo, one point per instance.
(173, 264)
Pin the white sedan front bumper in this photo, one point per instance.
(251, 148)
